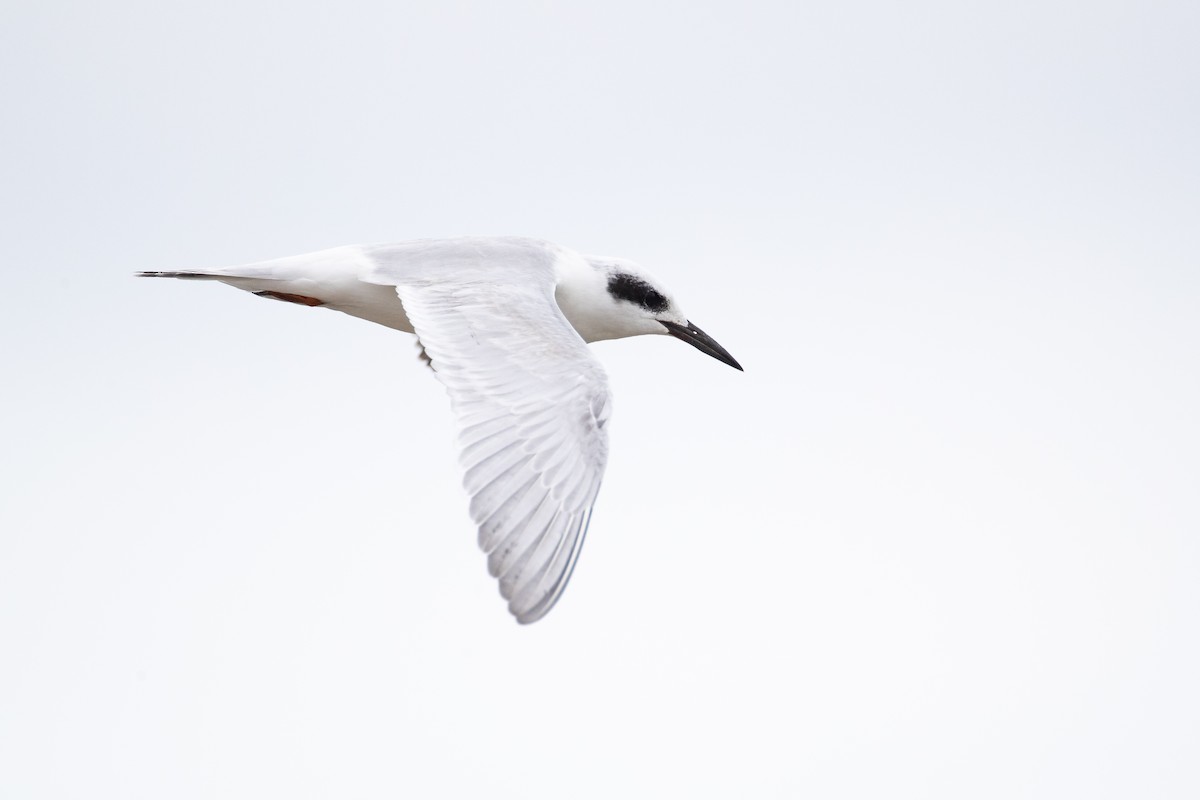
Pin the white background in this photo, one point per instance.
(939, 540)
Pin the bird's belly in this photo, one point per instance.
(379, 304)
(369, 301)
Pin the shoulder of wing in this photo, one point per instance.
(462, 260)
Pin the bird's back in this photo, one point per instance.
(360, 280)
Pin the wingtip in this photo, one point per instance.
(530, 616)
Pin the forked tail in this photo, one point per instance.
(191, 276)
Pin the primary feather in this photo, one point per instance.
(531, 403)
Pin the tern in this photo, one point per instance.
(503, 322)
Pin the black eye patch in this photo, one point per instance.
(635, 290)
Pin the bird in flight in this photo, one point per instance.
(503, 322)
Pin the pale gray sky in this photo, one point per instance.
(938, 541)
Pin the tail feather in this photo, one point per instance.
(322, 266)
(191, 276)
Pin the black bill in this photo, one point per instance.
(701, 341)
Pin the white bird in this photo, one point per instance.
(503, 321)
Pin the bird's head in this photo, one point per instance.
(614, 298)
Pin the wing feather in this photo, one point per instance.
(530, 400)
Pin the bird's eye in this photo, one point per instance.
(635, 290)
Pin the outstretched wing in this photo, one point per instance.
(531, 405)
